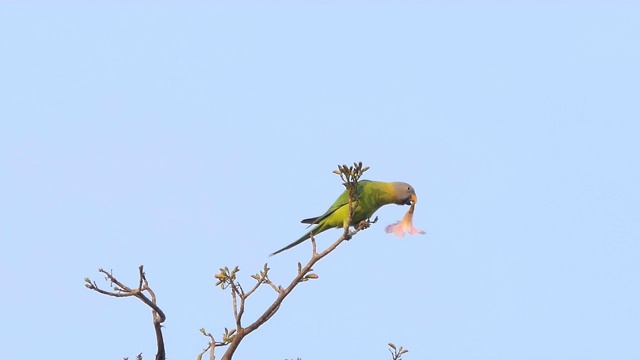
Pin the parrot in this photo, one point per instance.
(372, 195)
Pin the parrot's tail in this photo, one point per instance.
(303, 238)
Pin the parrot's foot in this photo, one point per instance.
(364, 224)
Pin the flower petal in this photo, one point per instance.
(405, 225)
(397, 229)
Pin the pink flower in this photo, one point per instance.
(405, 225)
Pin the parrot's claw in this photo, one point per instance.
(364, 224)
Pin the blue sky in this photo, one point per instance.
(188, 137)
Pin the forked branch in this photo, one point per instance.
(119, 289)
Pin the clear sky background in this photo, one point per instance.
(188, 137)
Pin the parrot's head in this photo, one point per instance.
(405, 195)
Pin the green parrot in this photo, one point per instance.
(372, 195)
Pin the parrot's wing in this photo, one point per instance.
(342, 200)
(313, 220)
(318, 219)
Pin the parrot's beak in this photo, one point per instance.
(411, 200)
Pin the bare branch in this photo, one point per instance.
(212, 344)
(254, 288)
(234, 296)
(313, 245)
(121, 290)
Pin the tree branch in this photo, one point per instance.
(121, 290)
